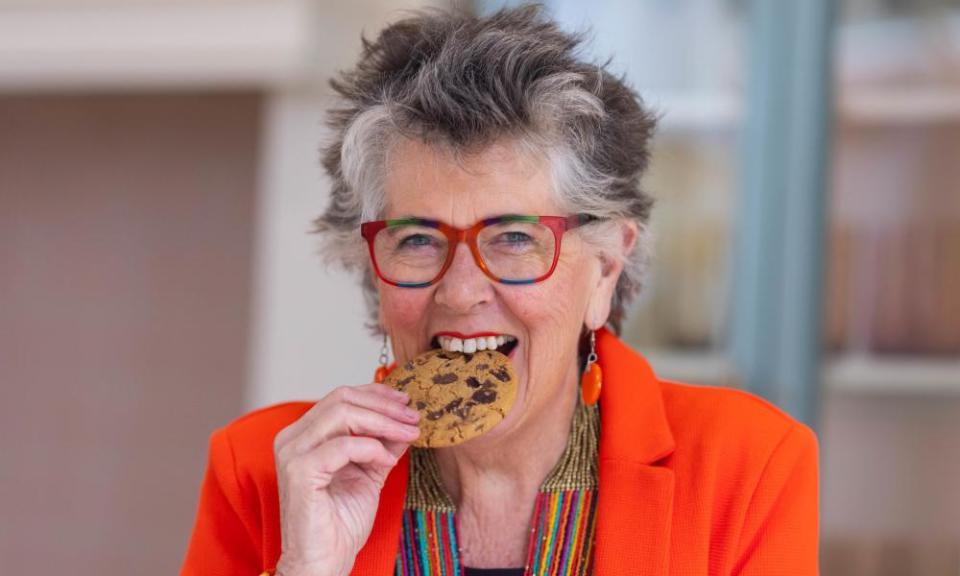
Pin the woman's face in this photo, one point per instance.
(546, 318)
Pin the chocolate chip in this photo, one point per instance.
(472, 382)
(434, 415)
(452, 405)
(501, 374)
(448, 378)
(485, 396)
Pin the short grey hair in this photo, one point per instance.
(462, 83)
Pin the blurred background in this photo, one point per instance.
(158, 176)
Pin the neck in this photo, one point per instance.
(512, 465)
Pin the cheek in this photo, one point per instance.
(544, 309)
(555, 308)
(402, 307)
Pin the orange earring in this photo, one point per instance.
(592, 379)
(381, 374)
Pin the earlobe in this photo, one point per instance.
(598, 308)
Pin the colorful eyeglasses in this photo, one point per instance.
(513, 249)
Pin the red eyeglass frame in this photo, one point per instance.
(557, 224)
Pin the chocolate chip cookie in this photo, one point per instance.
(459, 396)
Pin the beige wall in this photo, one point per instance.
(125, 241)
(308, 331)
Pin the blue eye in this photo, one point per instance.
(415, 240)
(515, 237)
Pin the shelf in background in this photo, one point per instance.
(863, 373)
(910, 105)
(849, 373)
(155, 45)
(879, 106)
(695, 112)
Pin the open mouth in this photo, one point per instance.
(450, 342)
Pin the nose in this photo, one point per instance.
(464, 287)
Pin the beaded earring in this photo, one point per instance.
(381, 374)
(592, 379)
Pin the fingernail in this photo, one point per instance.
(411, 414)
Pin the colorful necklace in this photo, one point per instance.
(564, 516)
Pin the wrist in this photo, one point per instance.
(289, 568)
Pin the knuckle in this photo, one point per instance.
(342, 412)
(351, 445)
(339, 394)
(286, 457)
(341, 443)
(280, 440)
(289, 467)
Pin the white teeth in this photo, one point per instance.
(471, 345)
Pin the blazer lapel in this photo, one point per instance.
(378, 555)
(635, 506)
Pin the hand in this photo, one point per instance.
(331, 466)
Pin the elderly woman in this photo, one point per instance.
(486, 181)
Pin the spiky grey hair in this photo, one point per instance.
(461, 83)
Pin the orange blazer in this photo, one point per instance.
(693, 481)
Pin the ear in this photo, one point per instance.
(611, 263)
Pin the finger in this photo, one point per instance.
(330, 457)
(373, 396)
(396, 448)
(385, 390)
(350, 419)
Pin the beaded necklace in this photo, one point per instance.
(564, 516)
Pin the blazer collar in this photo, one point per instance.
(633, 422)
(635, 504)
(635, 501)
